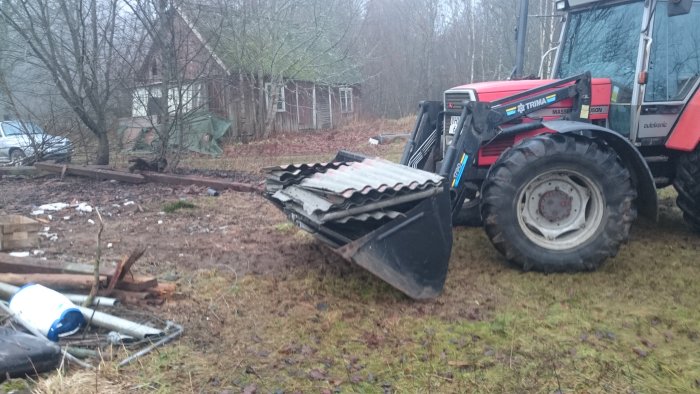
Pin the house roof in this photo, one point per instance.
(292, 46)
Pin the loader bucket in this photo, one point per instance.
(390, 219)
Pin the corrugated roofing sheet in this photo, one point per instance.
(304, 166)
(369, 175)
(368, 191)
(378, 215)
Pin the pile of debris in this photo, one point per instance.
(95, 335)
(37, 336)
(119, 283)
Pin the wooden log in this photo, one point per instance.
(92, 172)
(54, 281)
(163, 290)
(219, 184)
(131, 297)
(137, 283)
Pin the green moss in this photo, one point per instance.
(14, 385)
(177, 205)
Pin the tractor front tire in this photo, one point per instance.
(558, 203)
(470, 214)
(687, 184)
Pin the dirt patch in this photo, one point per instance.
(242, 232)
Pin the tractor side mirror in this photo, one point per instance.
(679, 7)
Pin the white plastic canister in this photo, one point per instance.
(48, 311)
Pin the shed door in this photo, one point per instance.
(323, 108)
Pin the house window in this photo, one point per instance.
(346, 100)
(148, 101)
(184, 99)
(281, 104)
(140, 102)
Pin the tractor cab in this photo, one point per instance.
(650, 51)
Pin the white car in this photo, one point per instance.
(26, 142)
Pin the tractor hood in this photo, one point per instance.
(492, 91)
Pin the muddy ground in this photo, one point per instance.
(234, 229)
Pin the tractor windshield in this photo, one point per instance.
(604, 41)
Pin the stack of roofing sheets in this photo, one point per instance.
(333, 195)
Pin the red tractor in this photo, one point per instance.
(557, 170)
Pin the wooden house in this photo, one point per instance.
(206, 82)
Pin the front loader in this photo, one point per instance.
(557, 170)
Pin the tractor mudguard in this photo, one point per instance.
(390, 219)
(647, 199)
(685, 135)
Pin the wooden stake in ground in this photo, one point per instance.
(98, 257)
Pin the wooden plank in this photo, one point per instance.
(30, 265)
(219, 184)
(25, 243)
(17, 223)
(54, 281)
(92, 172)
(18, 232)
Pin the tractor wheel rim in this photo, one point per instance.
(560, 209)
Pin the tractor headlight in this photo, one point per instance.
(561, 5)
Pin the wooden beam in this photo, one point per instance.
(92, 172)
(156, 177)
(33, 265)
(137, 283)
(219, 184)
(54, 281)
(28, 171)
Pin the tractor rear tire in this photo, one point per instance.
(558, 203)
(687, 184)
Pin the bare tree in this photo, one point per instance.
(419, 48)
(73, 40)
(270, 42)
